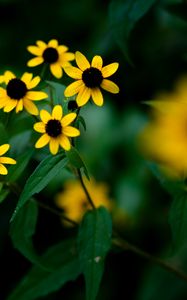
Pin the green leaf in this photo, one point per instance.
(22, 229)
(76, 160)
(63, 259)
(38, 180)
(3, 194)
(178, 221)
(16, 170)
(123, 16)
(94, 242)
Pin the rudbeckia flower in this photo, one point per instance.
(73, 200)
(164, 139)
(89, 79)
(53, 54)
(56, 130)
(18, 95)
(5, 160)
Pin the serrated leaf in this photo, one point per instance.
(38, 180)
(22, 229)
(76, 160)
(123, 16)
(94, 242)
(63, 259)
(16, 170)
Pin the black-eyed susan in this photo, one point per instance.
(56, 130)
(18, 95)
(53, 54)
(5, 160)
(164, 139)
(73, 199)
(89, 79)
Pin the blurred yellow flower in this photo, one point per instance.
(5, 160)
(17, 93)
(73, 200)
(53, 54)
(89, 79)
(164, 139)
(55, 129)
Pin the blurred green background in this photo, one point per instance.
(151, 59)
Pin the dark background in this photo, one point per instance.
(158, 52)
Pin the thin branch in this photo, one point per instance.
(121, 243)
(55, 212)
(85, 189)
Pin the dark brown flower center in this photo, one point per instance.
(16, 89)
(53, 128)
(92, 77)
(50, 55)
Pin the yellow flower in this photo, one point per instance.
(89, 79)
(74, 202)
(18, 95)
(164, 139)
(53, 54)
(5, 160)
(56, 130)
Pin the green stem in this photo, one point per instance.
(121, 243)
(85, 189)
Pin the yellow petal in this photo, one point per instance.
(7, 160)
(3, 170)
(109, 69)
(81, 61)
(56, 70)
(73, 72)
(71, 131)
(19, 106)
(8, 76)
(65, 143)
(4, 148)
(83, 96)
(34, 82)
(45, 116)
(66, 120)
(110, 86)
(30, 107)
(53, 146)
(39, 127)
(26, 77)
(4, 101)
(53, 43)
(35, 61)
(97, 62)
(2, 78)
(65, 57)
(97, 96)
(41, 44)
(3, 93)
(35, 50)
(61, 49)
(10, 106)
(43, 141)
(57, 112)
(73, 88)
(34, 95)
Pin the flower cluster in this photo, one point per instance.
(18, 93)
